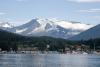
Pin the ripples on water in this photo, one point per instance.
(49, 60)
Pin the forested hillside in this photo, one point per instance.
(10, 40)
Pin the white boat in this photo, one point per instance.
(84, 53)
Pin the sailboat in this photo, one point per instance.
(94, 50)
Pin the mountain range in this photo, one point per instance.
(47, 27)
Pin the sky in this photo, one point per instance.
(22, 11)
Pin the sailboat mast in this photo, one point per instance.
(94, 46)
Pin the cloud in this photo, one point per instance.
(21, 0)
(17, 22)
(90, 10)
(96, 17)
(1, 13)
(84, 1)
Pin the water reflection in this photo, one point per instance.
(49, 60)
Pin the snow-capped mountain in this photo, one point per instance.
(50, 27)
(91, 33)
(5, 25)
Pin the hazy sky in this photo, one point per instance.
(19, 11)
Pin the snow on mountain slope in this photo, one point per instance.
(91, 33)
(72, 25)
(5, 25)
(50, 27)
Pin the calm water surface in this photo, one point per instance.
(49, 60)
